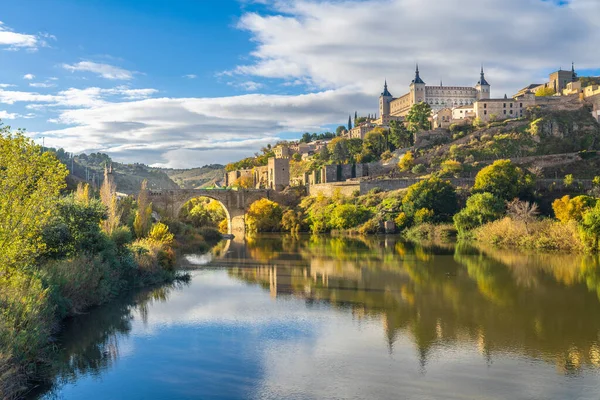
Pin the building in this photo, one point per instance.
(279, 173)
(557, 81)
(438, 97)
(359, 132)
(442, 119)
(499, 109)
(275, 175)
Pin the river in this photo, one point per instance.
(283, 317)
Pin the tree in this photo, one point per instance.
(481, 208)
(30, 183)
(503, 179)
(108, 197)
(418, 117)
(345, 216)
(590, 227)
(375, 142)
(399, 136)
(433, 194)
(306, 137)
(572, 209)
(349, 123)
(264, 216)
(338, 150)
(406, 162)
(354, 146)
(339, 130)
(143, 214)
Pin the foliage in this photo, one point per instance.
(203, 211)
(143, 215)
(450, 168)
(569, 180)
(407, 161)
(345, 216)
(545, 92)
(572, 209)
(424, 216)
(31, 182)
(401, 221)
(292, 220)
(590, 227)
(338, 150)
(355, 146)
(418, 117)
(481, 208)
(433, 194)
(108, 197)
(264, 216)
(399, 136)
(375, 142)
(243, 182)
(419, 169)
(503, 179)
(160, 233)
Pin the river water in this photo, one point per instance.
(282, 317)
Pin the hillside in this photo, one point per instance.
(196, 177)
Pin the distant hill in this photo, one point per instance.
(193, 178)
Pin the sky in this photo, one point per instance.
(184, 83)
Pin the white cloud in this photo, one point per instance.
(5, 85)
(7, 115)
(28, 77)
(42, 84)
(15, 41)
(249, 86)
(336, 43)
(190, 76)
(104, 70)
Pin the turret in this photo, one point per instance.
(384, 101)
(417, 88)
(482, 87)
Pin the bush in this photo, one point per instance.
(572, 209)
(433, 194)
(346, 216)
(419, 169)
(406, 162)
(423, 216)
(481, 208)
(503, 179)
(401, 221)
(159, 233)
(450, 168)
(370, 227)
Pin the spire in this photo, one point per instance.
(573, 73)
(482, 81)
(386, 92)
(417, 77)
(441, 83)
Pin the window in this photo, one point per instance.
(484, 105)
(511, 104)
(504, 106)
(521, 105)
(511, 111)
(485, 112)
(504, 112)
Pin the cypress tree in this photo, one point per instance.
(349, 122)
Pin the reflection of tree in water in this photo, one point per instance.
(540, 306)
(88, 343)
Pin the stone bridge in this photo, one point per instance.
(234, 202)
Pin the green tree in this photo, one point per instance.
(590, 227)
(503, 179)
(399, 136)
(345, 216)
(338, 150)
(481, 208)
(433, 194)
(354, 146)
(375, 142)
(349, 123)
(418, 117)
(339, 130)
(545, 91)
(30, 183)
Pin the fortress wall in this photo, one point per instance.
(329, 189)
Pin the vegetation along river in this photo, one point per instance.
(284, 317)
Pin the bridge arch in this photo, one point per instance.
(234, 202)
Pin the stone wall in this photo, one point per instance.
(329, 189)
(427, 138)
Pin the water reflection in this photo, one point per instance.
(338, 317)
(543, 306)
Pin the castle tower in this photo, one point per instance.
(384, 101)
(482, 87)
(417, 89)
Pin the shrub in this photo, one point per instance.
(224, 226)
(451, 168)
(401, 221)
(481, 208)
(160, 233)
(346, 216)
(386, 155)
(572, 209)
(419, 169)
(568, 181)
(424, 216)
(503, 179)
(370, 227)
(292, 220)
(406, 162)
(434, 194)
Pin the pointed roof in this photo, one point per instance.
(417, 77)
(573, 73)
(386, 92)
(482, 80)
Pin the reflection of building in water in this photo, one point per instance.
(280, 281)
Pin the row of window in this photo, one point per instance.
(504, 105)
(511, 111)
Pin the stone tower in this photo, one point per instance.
(417, 89)
(384, 101)
(483, 87)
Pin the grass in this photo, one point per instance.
(542, 234)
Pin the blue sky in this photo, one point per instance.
(186, 83)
